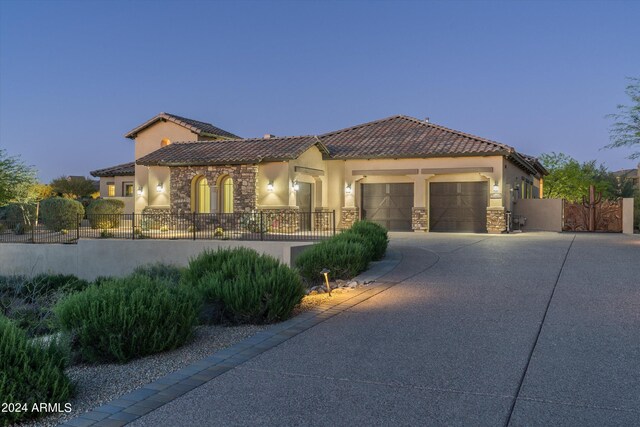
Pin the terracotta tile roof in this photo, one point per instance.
(403, 137)
(226, 152)
(200, 128)
(535, 162)
(125, 169)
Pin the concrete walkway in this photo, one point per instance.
(529, 329)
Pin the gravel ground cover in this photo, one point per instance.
(99, 384)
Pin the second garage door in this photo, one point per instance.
(458, 206)
(388, 205)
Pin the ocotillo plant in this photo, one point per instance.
(591, 205)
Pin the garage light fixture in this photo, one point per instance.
(496, 188)
(270, 186)
(296, 186)
(160, 188)
(140, 190)
(348, 190)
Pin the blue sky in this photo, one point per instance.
(75, 76)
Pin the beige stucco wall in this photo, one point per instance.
(283, 174)
(109, 257)
(147, 141)
(118, 181)
(541, 214)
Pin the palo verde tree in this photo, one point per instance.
(570, 179)
(73, 187)
(625, 131)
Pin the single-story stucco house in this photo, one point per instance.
(402, 172)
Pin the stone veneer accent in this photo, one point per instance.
(281, 220)
(348, 217)
(322, 220)
(419, 219)
(496, 222)
(245, 181)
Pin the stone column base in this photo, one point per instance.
(419, 219)
(322, 220)
(496, 222)
(348, 217)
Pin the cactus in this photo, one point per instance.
(591, 205)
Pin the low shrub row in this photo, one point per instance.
(247, 287)
(29, 374)
(345, 254)
(105, 213)
(58, 213)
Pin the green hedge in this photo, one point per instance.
(105, 213)
(20, 213)
(122, 319)
(375, 234)
(249, 287)
(345, 259)
(159, 271)
(58, 213)
(345, 254)
(29, 373)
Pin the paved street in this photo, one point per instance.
(524, 329)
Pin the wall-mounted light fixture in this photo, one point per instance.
(348, 189)
(140, 190)
(296, 186)
(270, 186)
(496, 188)
(160, 188)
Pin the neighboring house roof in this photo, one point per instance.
(535, 162)
(200, 128)
(227, 152)
(626, 173)
(125, 169)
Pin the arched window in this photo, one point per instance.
(201, 195)
(165, 142)
(226, 195)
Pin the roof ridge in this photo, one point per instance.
(245, 139)
(457, 132)
(360, 125)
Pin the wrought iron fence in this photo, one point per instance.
(266, 225)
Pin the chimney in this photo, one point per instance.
(268, 136)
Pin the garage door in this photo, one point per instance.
(458, 206)
(388, 205)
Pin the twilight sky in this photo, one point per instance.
(75, 76)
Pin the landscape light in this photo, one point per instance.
(325, 272)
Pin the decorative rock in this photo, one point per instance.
(353, 284)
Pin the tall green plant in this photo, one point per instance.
(344, 259)
(105, 213)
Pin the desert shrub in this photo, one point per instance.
(250, 287)
(20, 213)
(122, 319)
(105, 213)
(30, 373)
(345, 259)
(158, 271)
(44, 284)
(375, 233)
(351, 237)
(58, 213)
(29, 301)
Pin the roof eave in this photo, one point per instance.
(414, 156)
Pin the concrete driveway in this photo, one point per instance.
(529, 329)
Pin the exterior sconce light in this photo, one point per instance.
(270, 186)
(140, 190)
(160, 188)
(296, 186)
(348, 190)
(496, 188)
(325, 272)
